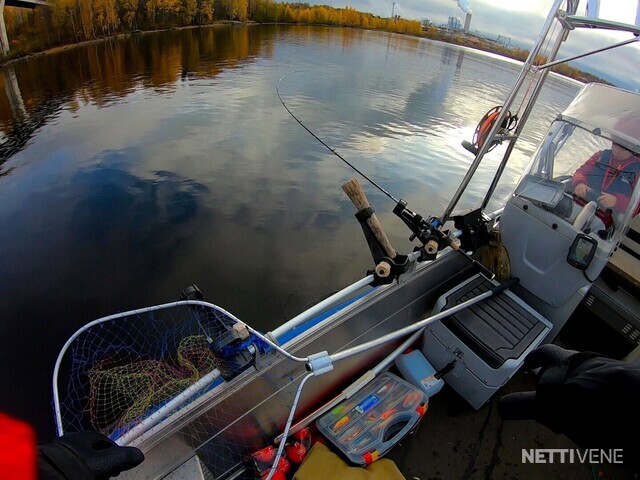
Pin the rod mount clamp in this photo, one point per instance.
(319, 363)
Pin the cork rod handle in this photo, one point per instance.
(355, 193)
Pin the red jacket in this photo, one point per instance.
(17, 450)
(610, 175)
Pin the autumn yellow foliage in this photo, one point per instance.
(70, 21)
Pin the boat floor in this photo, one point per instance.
(455, 442)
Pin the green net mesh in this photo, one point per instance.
(121, 391)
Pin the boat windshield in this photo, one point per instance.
(575, 169)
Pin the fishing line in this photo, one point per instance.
(542, 53)
(332, 150)
(441, 234)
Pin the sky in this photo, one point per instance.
(521, 20)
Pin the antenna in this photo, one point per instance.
(393, 7)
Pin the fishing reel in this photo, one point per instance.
(485, 125)
(231, 342)
(425, 230)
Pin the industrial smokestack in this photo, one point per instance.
(467, 23)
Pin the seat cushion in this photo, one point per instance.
(496, 329)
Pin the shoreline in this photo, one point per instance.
(476, 45)
(117, 36)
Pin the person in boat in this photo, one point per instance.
(608, 178)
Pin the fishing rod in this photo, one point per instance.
(328, 147)
(426, 230)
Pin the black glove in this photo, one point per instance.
(587, 397)
(85, 456)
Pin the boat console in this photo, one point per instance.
(558, 238)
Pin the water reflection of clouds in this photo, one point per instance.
(405, 114)
(397, 118)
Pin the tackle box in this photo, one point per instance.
(366, 426)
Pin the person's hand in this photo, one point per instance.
(581, 190)
(583, 395)
(85, 456)
(607, 200)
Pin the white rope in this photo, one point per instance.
(285, 434)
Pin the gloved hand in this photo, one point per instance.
(587, 397)
(85, 456)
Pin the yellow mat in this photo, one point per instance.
(322, 464)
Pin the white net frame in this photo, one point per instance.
(156, 340)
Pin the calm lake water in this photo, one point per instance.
(133, 168)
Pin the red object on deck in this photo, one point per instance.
(303, 435)
(296, 452)
(266, 455)
(284, 466)
(17, 449)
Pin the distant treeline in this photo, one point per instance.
(71, 21)
(515, 53)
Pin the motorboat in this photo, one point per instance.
(198, 390)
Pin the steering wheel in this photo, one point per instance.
(593, 195)
(583, 219)
(592, 209)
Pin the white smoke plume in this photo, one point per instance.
(464, 5)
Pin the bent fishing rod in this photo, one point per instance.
(426, 230)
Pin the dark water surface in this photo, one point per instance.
(133, 168)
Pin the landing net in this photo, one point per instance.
(123, 370)
(179, 379)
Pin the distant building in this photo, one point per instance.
(504, 41)
(454, 24)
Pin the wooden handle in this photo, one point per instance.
(355, 193)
